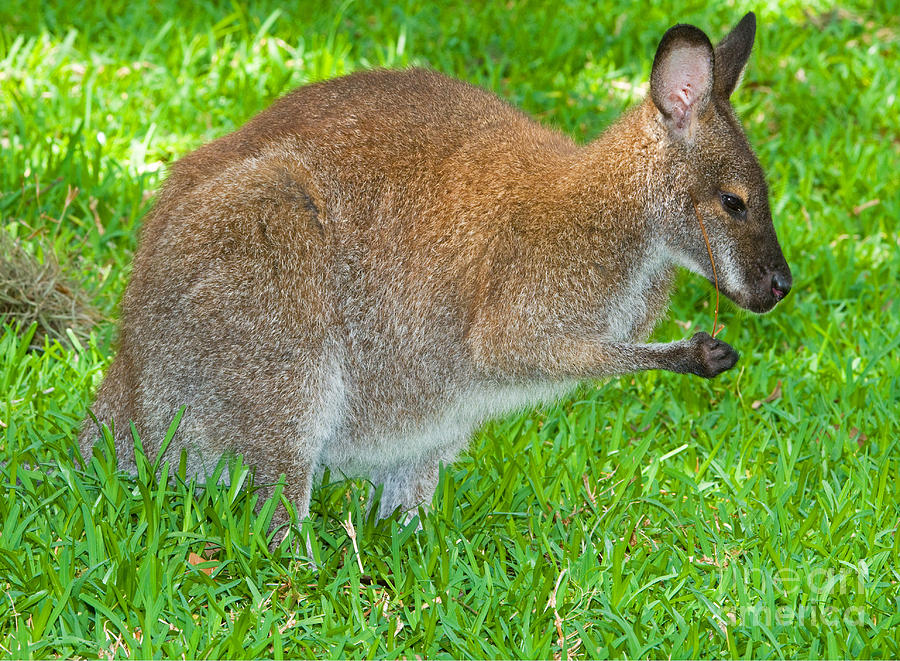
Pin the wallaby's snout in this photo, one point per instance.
(766, 291)
(773, 282)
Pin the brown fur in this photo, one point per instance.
(375, 264)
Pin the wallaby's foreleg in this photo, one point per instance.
(583, 357)
(702, 355)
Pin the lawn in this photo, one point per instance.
(650, 516)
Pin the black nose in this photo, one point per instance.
(781, 285)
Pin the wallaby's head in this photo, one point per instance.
(710, 169)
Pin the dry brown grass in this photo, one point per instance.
(32, 291)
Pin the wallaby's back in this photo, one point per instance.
(375, 126)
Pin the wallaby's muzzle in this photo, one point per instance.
(766, 290)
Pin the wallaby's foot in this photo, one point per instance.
(410, 517)
(711, 357)
(283, 530)
(407, 488)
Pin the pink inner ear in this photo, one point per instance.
(687, 77)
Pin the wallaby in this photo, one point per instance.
(375, 265)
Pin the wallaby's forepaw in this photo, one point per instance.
(712, 356)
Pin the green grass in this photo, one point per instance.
(652, 516)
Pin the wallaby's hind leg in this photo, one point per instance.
(281, 433)
(230, 312)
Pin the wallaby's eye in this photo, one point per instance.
(734, 205)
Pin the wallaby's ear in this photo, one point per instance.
(732, 54)
(682, 78)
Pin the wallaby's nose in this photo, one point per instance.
(781, 285)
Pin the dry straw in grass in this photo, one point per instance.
(35, 292)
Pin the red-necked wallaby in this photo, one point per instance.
(376, 264)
